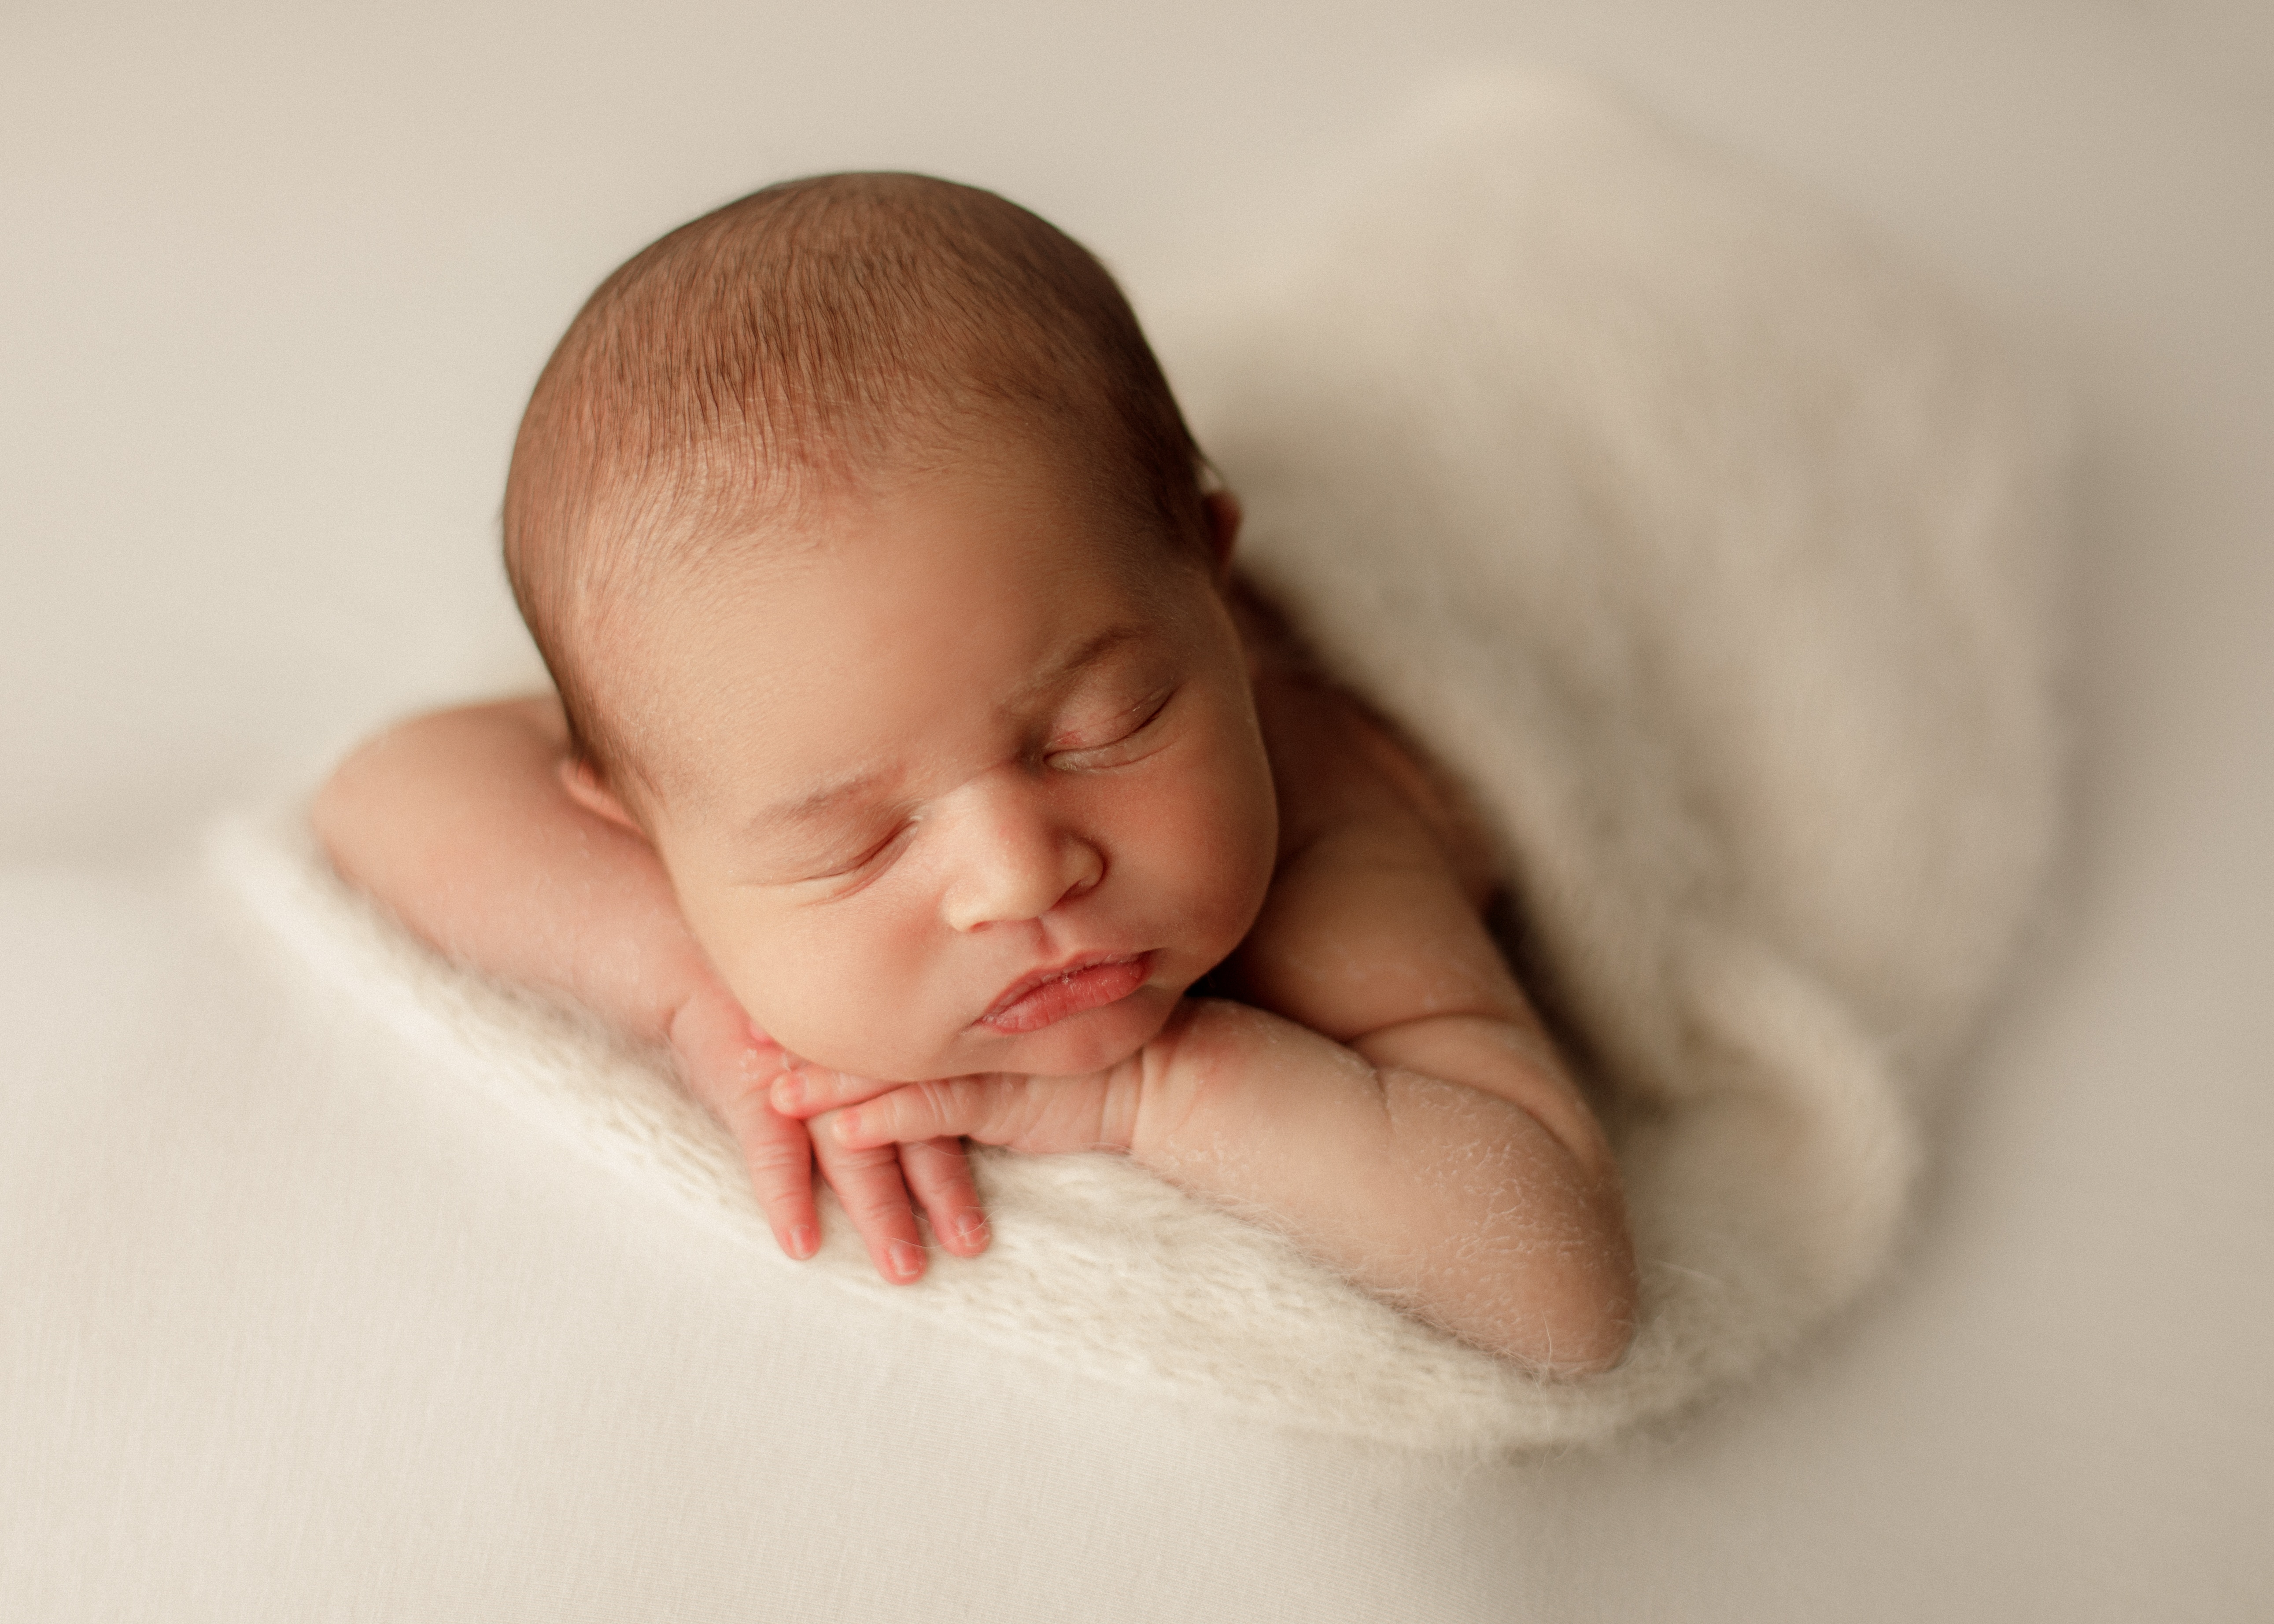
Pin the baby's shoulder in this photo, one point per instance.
(1350, 778)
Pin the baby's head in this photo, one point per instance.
(869, 551)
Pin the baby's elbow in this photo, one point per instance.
(355, 814)
(339, 813)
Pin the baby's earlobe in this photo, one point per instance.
(1224, 515)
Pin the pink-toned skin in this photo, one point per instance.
(955, 735)
(956, 790)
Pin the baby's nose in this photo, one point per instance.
(1016, 862)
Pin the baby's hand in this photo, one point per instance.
(731, 1068)
(1038, 1116)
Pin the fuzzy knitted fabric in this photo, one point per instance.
(1709, 549)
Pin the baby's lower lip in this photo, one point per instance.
(1092, 987)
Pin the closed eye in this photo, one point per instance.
(1133, 736)
(869, 862)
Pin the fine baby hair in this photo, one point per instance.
(788, 346)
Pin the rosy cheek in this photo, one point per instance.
(858, 959)
(1205, 836)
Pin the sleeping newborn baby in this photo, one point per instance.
(917, 754)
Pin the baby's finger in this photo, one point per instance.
(938, 1174)
(868, 1181)
(993, 1109)
(779, 1152)
(729, 1065)
(806, 1091)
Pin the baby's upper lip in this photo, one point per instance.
(1027, 984)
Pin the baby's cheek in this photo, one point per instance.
(830, 992)
(1215, 841)
(748, 960)
(792, 1011)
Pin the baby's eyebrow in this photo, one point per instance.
(1088, 651)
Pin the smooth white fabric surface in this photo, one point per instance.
(276, 1343)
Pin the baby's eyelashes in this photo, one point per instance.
(877, 847)
(1123, 738)
(839, 871)
(828, 862)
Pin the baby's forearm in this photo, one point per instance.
(459, 822)
(1488, 1205)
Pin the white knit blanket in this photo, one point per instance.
(1710, 548)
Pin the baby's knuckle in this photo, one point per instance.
(941, 1173)
(776, 1155)
(863, 1164)
(880, 1211)
(941, 1101)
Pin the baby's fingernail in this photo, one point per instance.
(972, 1228)
(789, 1092)
(847, 1125)
(803, 1242)
(907, 1259)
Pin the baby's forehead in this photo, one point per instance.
(842, 553)
(780, 517)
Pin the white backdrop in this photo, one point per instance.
(274, 279)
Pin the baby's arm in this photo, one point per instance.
(460, 822)
(1394, 1104)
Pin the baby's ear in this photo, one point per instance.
(589, 789)
(1222, 510)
